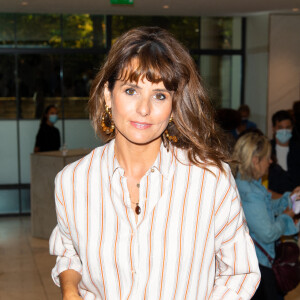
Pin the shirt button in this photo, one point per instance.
(133, 271)
(152, 170)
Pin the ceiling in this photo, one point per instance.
(153, 7)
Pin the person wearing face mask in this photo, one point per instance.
(284, 172)
(48, 137)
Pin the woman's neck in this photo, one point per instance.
(49, 123)
(135, 159)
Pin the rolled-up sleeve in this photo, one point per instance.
(237, 271)
(265, 228)
(279, 205)
(60, 243)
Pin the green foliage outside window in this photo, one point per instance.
(185, 29)
(77, 46)
(7, 25)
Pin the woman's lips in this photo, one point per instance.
(140, 125)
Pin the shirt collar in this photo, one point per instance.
(164, 162)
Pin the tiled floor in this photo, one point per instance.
(25, 264)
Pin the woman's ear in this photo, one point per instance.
(255, 160)
(107, 95)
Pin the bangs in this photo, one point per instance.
(150, 62)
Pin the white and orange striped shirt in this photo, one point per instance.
(190, 242)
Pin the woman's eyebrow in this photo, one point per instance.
(134, 85)
(131, 84)
(161, 90)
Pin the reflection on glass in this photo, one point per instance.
(83, 31)
(39, 84)
(221, 33)
(185, 29)
(9, 202)
(79, 72)
(41, 30)
(7, 35)
(9, 152)
(222, 76)
(7, 88)
(25, 198)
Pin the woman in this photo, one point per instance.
(48, 138)
(267, 219)
(153, 214)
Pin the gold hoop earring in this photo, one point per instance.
(171, 138)
(107, 122)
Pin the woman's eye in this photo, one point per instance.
(130, 91)
(160, 96)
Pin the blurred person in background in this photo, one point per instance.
(267, 219)
(48, 137)
(244, 111)
(284, 172)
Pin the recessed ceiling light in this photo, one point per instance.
(166, 6)
(24, 3)
(295, 9)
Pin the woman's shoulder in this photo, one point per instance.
(211, 170)
(250, 188)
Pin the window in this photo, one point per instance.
(8, 107)
(53, 58)
(39, 84)
(7, 32)
(185, 29)
(221, 33)
(78, 74)
(83, 31)
(36, 30)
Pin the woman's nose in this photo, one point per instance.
(143, 106)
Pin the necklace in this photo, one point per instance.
(137, 209)
(137, 206)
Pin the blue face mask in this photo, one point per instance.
(283, 135)
(53, 118)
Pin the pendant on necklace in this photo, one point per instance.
(137, 209)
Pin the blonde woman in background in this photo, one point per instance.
(267, 219)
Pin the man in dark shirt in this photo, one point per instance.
(284, 172)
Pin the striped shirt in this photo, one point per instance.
(191, 240)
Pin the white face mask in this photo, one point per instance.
(283, 135)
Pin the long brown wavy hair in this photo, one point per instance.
(162, 58)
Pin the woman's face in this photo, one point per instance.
(51, 111)
(140, 110)
(261, 166)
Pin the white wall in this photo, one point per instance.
(284, 63)
(80, 134)
(256, 77)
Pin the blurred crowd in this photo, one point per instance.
(267, 174)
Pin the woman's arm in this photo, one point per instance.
(266, 229)
(69, 281)
(61, 243)
(275, 195)
(237, 272)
